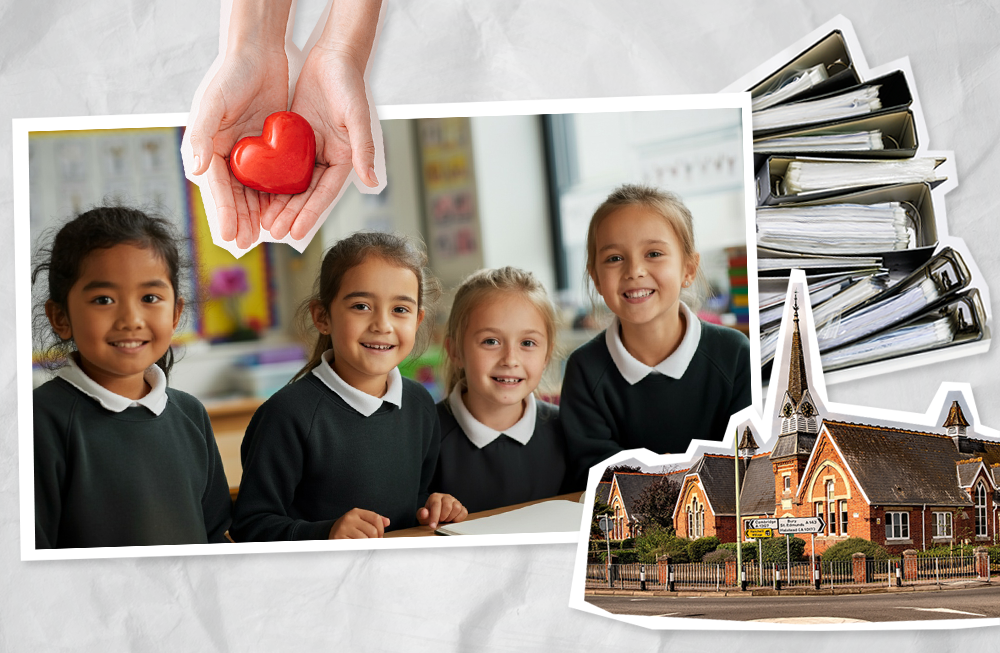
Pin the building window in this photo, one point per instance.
(981, 510)
(897, 525)
(942, 524)
(788, 484)
(843, 518)
(696, 519)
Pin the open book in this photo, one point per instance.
(546, 517)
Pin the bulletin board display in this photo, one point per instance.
(72, 171)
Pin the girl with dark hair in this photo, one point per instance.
(349, 448)
(120, 458)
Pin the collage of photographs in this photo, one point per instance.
(669, 363)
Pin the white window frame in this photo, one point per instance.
(843, 517)
(944, 525)
(982, 526)
(897, 521)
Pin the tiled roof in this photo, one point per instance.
(631, 485)
(792, 444)
(967, 470)
(758, 487)
(603, 492)
(718, 480)
(955, 416)
(897, 466)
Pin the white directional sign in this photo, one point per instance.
(762, 523)
(793, 525)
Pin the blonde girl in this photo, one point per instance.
(658, 377)
(349, 448)
(499, 445)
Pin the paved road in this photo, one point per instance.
(973, 603)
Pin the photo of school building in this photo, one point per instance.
(900, 488)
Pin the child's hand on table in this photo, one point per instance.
(441, 509)
(358, 524)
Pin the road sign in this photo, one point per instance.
(757, 533)
(603, 522)
(762, 523)
(793, 525)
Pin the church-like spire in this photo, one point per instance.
(797, 383)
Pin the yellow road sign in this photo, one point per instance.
(755, 533)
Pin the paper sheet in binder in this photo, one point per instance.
(796, 84)
(856, 101)
(802, 176)
(862, 141)
(942, 275)
(831, 229)
(817, 263)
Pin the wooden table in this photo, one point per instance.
(229, 422)
(424, 531)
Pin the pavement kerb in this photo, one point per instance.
(795, 591)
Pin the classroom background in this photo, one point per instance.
(480, 192)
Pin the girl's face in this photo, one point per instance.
(121, 314)
(503, 351)
(640, 266)
(373, 322)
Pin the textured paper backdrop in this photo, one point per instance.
(63, 58)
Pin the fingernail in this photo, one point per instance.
(371, 176)
(197, 162)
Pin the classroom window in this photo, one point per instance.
(843, 518)
(942, 524)
(981, 510)
(897, 525)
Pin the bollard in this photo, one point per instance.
(670, 577)
(642, 578)
(777, 578)
(816, 576)
(899, 574)
(743, 580)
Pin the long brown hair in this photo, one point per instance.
(395, 250)
(478, 288)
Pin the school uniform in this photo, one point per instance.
(319, 448)
(110, 471)
(485, 469)
(611, 401)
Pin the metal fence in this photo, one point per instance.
(712, 577)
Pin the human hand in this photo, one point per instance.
(251, 84)
(441, 509)
(359, 524)
(331, 94)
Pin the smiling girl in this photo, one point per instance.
(499, 445)
(348, 449)
(658, 377)
(120, 458)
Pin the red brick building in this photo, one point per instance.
(625, 489)
(903, 489)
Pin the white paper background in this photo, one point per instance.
(62, 58)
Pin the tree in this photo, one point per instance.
(655, 505)
(600, 508)
(610, 472)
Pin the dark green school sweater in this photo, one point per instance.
(125, 479)
(308, 458)
(504, 472)
(602, 414)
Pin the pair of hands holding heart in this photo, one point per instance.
(286, 178)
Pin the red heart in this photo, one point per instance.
(281, 160)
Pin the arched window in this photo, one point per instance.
(981, 510)
(696, 519)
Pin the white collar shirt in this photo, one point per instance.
(674, 365)
(480, 434)
(362, 402)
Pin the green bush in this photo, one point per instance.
(698, 548)
(651, 540)
(945, 551)
(664, 543)
(718, 557)
(775, 549)
(842, 551)
(749, 550)
(619, 556)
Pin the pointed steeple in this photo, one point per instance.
(797, 383)
(747, 443)
(956, 422)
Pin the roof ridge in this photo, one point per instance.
(886, 428)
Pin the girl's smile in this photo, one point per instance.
(120, 314)
(503, 353)
(372, 323)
